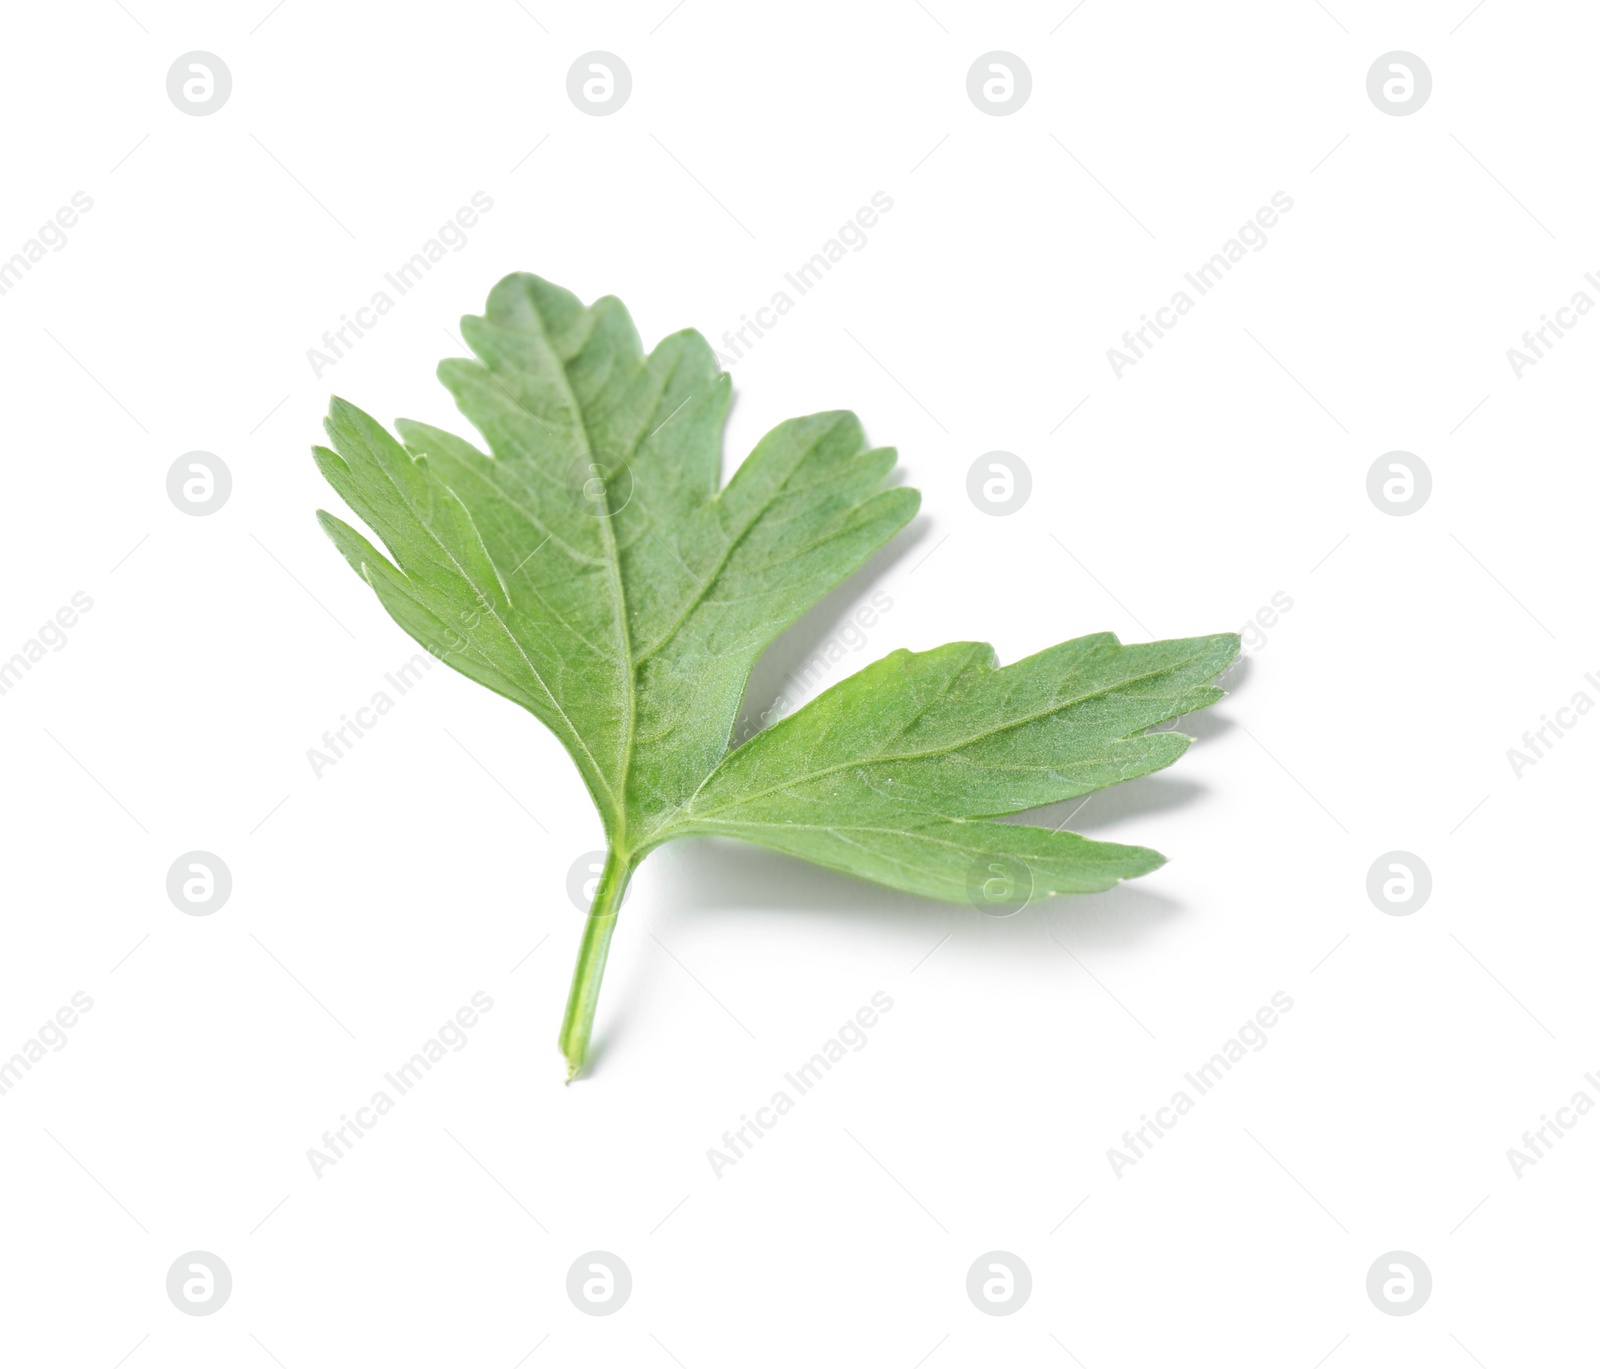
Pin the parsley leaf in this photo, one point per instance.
(591, 568)
(890, 773)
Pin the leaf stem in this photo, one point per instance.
(591, 966)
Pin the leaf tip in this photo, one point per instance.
(327, 461)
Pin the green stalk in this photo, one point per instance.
(591, 967)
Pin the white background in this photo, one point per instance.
(1227, 466)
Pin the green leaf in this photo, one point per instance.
(591, 567)
(893, 773)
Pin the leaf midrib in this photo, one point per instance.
(972, 740)
(494, 613)
(733, 544)
(618, 794)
